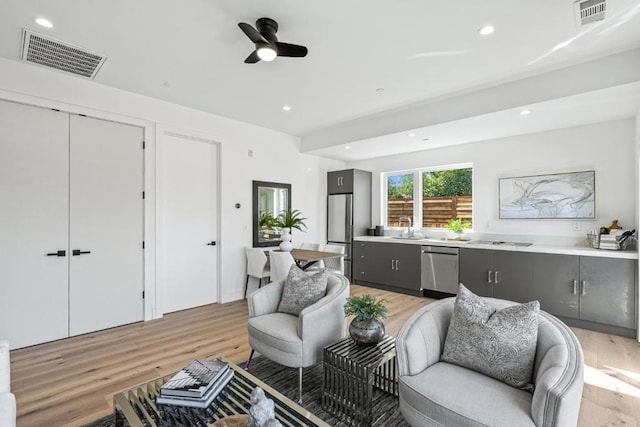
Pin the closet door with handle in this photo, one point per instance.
(34, 200)
(106, 224)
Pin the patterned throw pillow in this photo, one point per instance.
(301, 290)
(500, 344)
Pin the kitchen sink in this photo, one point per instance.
(500, 243)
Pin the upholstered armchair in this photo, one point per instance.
(7, 399)
(296, 341)
(436, 393)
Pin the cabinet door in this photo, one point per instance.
(555, 283)
(607, 291)
(340, 182)
(407, 266)
(34, 209)
(513, 276)
(373, 262)
(474, 270)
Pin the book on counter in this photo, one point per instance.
(214, 390)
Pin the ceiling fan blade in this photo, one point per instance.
(294, 50)
(253, 58)
(251, 32)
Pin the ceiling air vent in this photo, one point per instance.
(52, 53)
(588, 11)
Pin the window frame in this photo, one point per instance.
(417, 192)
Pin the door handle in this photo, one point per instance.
(489, 276)
(397, 264)
(211, 243)
(58, 253)
(495, 277)
(575, 287)
(77, 252)
(584, 287)
(393, 261)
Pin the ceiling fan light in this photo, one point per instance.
(267, 53)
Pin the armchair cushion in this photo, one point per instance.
(498, 343)
(302, 290)
(456, 396)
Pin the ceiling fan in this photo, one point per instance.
(267, 44)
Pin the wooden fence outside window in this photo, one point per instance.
(436, 211)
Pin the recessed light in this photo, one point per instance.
(411, 135)
(44, 22)
(380, 89)
(286, 108)
(425, 139)
(486, 30)
(347, 147)
(525, 112)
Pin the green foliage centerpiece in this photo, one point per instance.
(288, 220)
(366, 328)
(458, 226)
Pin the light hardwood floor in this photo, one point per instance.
(72, 381)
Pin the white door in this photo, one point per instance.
(189, 206)
(106, 224)
(34, 200)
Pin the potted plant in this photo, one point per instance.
(288, 220)
(366, 328)
(266, 220)
(458, 226)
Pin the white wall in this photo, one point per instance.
(608, 148)
(276, 156)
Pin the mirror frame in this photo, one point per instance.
(256, 228)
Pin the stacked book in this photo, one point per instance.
(197, 384)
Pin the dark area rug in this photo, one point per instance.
(386, 412)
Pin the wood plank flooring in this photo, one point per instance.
(72, 381)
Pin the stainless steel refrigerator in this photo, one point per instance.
(340, 225)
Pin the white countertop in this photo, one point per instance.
(539, 248)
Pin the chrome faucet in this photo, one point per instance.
(409, 230)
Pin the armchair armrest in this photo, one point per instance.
(266, 299)
(420, 342)
(324, 322)
(558, 375)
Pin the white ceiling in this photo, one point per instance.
(191, 52)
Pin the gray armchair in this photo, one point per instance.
(296, 341)
(7, 399)
(435, 393)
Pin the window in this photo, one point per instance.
(445, 194)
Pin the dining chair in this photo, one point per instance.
(281, 262)
(311, 246)
(256, 267)
(335, 265)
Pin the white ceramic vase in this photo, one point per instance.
(286, 245)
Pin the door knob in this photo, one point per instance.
(77, 252)
(211, 243)
(58, 253)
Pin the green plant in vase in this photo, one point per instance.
(289, 220)
(366, 328)
(458, 226)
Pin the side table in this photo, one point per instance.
(351, 372)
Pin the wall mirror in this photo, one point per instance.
(270, 199)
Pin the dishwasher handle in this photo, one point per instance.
(446, 250)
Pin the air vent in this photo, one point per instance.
(52, 53)
(588, 11)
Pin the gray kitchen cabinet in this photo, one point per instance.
(393, 266)
(340, 182)
(607, 291)
(498, 274)
(555, 283)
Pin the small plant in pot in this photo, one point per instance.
(366, 327)
(458, 226)
(287, 221)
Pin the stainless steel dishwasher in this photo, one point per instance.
(440, 269)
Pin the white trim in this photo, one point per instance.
(196, 135)
(417, 190)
